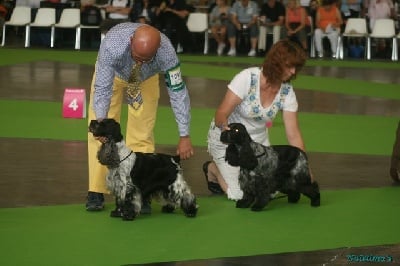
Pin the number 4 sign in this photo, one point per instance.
(74, 103)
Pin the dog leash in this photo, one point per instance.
(126, 157)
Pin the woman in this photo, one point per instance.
(254, 97)
(328, 23)
(296, 20)
(218, 23)
(378, 9)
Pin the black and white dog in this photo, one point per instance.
(135, 175)
(265, 170)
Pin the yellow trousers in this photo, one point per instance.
(139, 130)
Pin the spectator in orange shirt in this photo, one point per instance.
(328, 22)
(296, 22)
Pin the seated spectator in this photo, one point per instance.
(143, 12)
(380, 9)
(90, 16)
(296, 22)
(218, 24)
(171, 19)
(328, 22)
(90, 13)
(117, 11)
(350, 8)
(3, 15)
(272, 19)
(312, 11)
(244, 14)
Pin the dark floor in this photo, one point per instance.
(26, 181)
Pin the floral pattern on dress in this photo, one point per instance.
(257, 111)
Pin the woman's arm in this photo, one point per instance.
(228, 104)
(292, 129)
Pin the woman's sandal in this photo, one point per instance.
(215, 188)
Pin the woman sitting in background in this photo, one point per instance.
(218, 23)
(328, 22)
(296, 21)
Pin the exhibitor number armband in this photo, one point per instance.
(173, 78)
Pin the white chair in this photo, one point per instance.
(70, 19)
(198, 23)
(355, 28)
(383, 29)
(45, 18)
(21, 16)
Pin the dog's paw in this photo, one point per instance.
(168, 209)
(243, 203)
(255, 208)
(293, 197)
(192, 211)
(316, 202)
(260, 204)
(117, 213)
(128, 217)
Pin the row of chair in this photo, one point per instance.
(46, 18)
(197, 23)
(357, 28)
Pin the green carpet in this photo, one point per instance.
(322, 132)
(67, 235)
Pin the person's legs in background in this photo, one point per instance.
(333, 39)
(253, 40)
(232, 39)
(318, 35)
(262, 38)
(276, 34)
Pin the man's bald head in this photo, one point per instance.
(145, 43)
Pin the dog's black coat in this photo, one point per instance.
(264, 170)
(135, 175)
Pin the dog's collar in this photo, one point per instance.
(260, 155)
(126, 157)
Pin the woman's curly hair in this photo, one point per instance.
(282, 55)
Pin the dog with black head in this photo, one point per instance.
(133, 176)
(267, 169)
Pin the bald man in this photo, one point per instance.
(124, 46)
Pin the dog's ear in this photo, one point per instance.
(108, 154)
(232, 155)
(248, 159)
(93, 125)
(115, 129)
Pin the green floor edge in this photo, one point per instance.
(68, 235)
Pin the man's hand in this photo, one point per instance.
(185, 149)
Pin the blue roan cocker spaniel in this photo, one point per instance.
(265, 170)
(133, 175)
